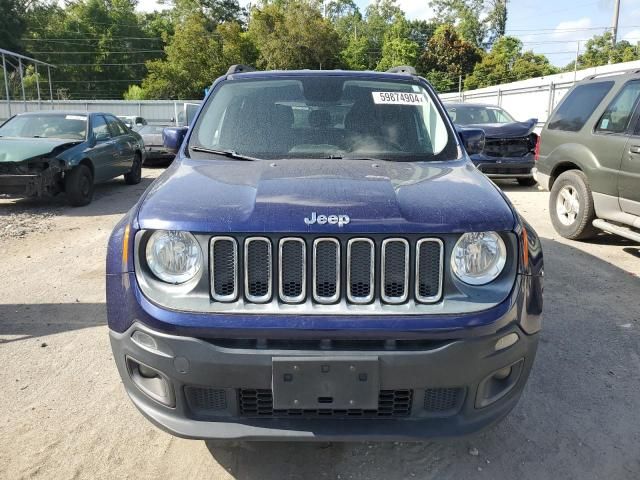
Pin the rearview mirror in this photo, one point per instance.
(172, 138)
(472, 139)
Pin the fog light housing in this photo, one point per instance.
(498, 384)
(152, 382)
(502, 373)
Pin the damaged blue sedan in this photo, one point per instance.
(45, 153)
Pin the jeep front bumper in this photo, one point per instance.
(216, 389)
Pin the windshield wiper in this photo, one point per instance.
(366, 159)
(225, 153)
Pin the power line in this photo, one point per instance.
(97, 64)
(32, 39)
(99, 52)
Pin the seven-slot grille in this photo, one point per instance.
(393, 270)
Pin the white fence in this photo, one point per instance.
(536, 97)
(155, 111)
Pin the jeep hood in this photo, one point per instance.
(507, 130)
(219, 196)
(15, 149)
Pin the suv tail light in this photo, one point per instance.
(536, 151)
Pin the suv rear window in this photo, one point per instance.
(576, 109)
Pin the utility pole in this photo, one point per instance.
(614, 24)
(575, 64)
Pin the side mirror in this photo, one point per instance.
(472, 139)
(172, 138)
(101, 137)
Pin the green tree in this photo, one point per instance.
(13, 25)
(198, 53)
(294, 35)
(98, 46)
(135, 92)
(466, 15)
(397, 47)
(506, 62)
(379, 18)
(496, 20)
(601, 51)
(480, 22)
(216, 11)
(446, 57)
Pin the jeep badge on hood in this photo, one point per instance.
(340, 220)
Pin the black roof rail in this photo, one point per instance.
(406, 69)
(240, 69)
(613, 73)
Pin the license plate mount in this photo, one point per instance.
(336, 383)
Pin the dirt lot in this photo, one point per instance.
(65, 415)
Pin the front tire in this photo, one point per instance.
(135, 175)
(78, 184)
(571, 206)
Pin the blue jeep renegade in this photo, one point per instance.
(323, 261)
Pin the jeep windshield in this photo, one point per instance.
(322, 117)
(47, 125)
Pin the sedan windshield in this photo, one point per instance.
(478, 115)
(48, 125)
(323, 117)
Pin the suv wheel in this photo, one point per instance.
(571, 206)
(78, 184)
(135, 175)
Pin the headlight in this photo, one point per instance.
(478, 258)
(174, 257)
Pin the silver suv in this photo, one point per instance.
(588, 157)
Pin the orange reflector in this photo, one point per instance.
(125, 247)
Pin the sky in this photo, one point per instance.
(552, 27)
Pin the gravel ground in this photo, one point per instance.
(65, 415)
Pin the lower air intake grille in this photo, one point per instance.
(205, 400)
(443, 400)
(259, 403)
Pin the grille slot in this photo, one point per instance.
(429, 265)
(257, 269)
(205, 400)
(360, 270)
(293, 270)
(224, 269)
(326, 270)
(395, 270)
(443, 400)
(259, 403)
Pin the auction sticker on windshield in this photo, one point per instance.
(397, 98)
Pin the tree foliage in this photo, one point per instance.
(480, 22)
(446, 57)
(198, 53)
(107, 49)
(600, 51)
(293, 34)
(506, 62)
